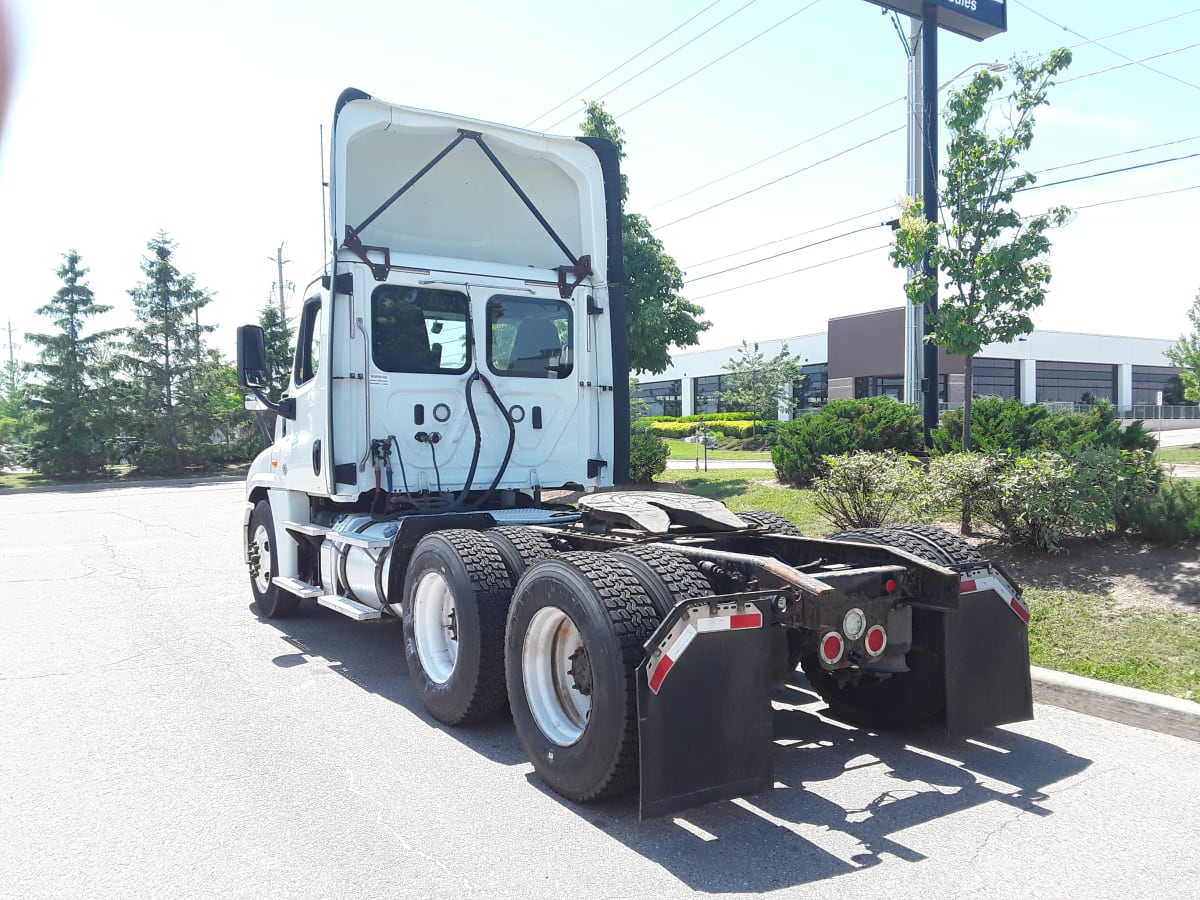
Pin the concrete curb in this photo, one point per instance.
(1129, 706)
(84, 486)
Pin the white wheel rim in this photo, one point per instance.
(262, 546)
(435, 627)
(558, 706)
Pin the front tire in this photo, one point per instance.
(575, 633)
(456, 594)
(273, 602)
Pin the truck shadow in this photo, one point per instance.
(825, 816)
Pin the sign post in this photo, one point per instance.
(978, 20)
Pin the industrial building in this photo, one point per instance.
(863, 356)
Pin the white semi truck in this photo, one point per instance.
(461, 362)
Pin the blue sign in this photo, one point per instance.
(976, 19)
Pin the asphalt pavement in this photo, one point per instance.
(161, 740)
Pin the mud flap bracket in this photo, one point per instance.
(704, 704)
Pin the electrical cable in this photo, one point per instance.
(1139, 197)
(793, 272)
(721, 57)
(1083, 162)
(642, 72)
(1128, 64)
(1157, 162)
(872, 212)
(650, 46)
(1104, 47)
(775, 181)
(755, 262)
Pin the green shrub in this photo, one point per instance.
(761, 428)
(718, 417)
(673, 429)
(1171, 516)
(843, 426)
(867, 490)
(1001, 426)
(647, 457)
(959, 480)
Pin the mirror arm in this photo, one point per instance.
(285, 407)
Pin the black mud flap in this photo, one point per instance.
(704, 704)
(987, 657)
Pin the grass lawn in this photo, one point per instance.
(1189, 455)
(684, 450)
(1085, 634)
(22, 479)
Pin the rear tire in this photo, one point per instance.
(273, 602)
(576, 628)
(667, 577)
(456, 594)
(905, 698)
(520, 547)
(773, 520)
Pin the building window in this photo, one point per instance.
(880, 386)
(706, 394)
(662, 398)
(996, 378)
(1072, 382)
(813, 389)
(1149, 380)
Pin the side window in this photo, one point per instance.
(417, 329)
(308, 341)
(529, 338)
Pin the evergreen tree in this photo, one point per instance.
(69, 423)
(277, 337)
(173, 419)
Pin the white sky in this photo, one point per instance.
(202, 119)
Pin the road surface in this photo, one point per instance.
(160, 740)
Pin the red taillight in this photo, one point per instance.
(890, 586)
(876, 640)
(832, 648)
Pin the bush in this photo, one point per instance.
(1005, 426)
(867, 490)
(1171, 516)
(672, 429)
(762, 428)
(959, 480)
(843, 426)
(647, 457)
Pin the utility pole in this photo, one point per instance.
(929, 185)
(12, 364)
(279, 261)
(914, 316)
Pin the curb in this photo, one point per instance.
(1117, 703)
(83, 486)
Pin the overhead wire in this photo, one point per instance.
(727, 53)
(622, 65)
(1158, 162)
(1131, 63)
(663, 59)
(755, 262)
(792, 272)
(1097, 42)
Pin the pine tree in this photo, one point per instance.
(277, 338)
(172, 418)
(69, 422)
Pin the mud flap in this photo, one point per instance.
(704, 704)
(987, 662)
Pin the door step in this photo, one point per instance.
(359, 612)
(301, 589)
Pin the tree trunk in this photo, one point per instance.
(968, 390)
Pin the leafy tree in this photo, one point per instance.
(758, 385)
(69, 416)
(1185, 355)
(991, 257)
(172, 416)
(658, 316)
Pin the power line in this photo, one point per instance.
(1139, 197)
(721, 57)
(778, 153)
(642, 72)
(793, 272)
(775, 181)
(790, 237)
(755, 262)
(1134, 28)
(622, 65)
(1083, 162)
(1128, 64)
(1158, 162)
(1105, 47)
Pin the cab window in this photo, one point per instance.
(528, 337)
(416, 329)
(308, 342)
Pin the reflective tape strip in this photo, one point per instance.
(1002, 589)
(670, 655)
(730, 623)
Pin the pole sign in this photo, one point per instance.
(976, 19)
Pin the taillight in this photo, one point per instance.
(876, 640)
(854, 623)
(832, 648)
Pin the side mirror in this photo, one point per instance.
(252, 373)
(251, 358)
